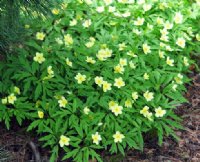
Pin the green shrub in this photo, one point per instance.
(100, 74)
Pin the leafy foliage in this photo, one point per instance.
(100, 74)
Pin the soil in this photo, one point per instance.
(17, 141)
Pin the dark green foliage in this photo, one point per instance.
(11, 14)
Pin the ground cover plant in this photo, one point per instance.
(101, 74)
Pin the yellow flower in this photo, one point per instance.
(146, 48)
(185, 61)
(168, 25)
(62, 101)
(135, 96)
(164, 38)
(106, 86)
(100, 9)
(159, 21)
(122, 46)
(178, 18)
(170, 62)
(117, 109)
(118, 137)
(39, 57)
(87, 23)
(90, 60)
(148, 95)
(108, 2)
(147, 7)
(40, 35)
(178, 79)
(119, 69)
(132, 54)
(40, 114)
(146, 76)
(68, 62)
(132, 65)
(17, 90)
(4, 101)
(55, 11)
(174, 87)
(128, 103)
(98, 80)
(80, 78)
(111, 9)
(123, 62)
(73, 22)
(161, 54)
(149, 115)
(103, 54)
(86, 110)
(139, 21)
(12, 98)
(145, 111)
(96, 138)
(181, 42)
(64, 141)
(119, 82)
(160, 112)
(112, 104)
(50, 71)
(198, 37)
(68, 39)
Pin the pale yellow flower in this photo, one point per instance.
(174, 87)
(198, 37)
(161, 54)
(40, 114)
(178, 18)
(168, 25)
(99, 81)
(178, 79)
(96, 138)
(132, 65)
(160, 112)
(68, 62)
(111, 9)
(145, 111)
(148, 95)
(86, 110)
(100, 9)
(112, 104)
(132, 54)
(117, 109)
(119, 82)
(39, 57)
(118, 137)
(139, 21)
(40, 35)
(119, 69)
(159, 21)
(90, 60)
(62, 102)
(128, 103)
(147, 7)
(103, 54)
(27, 26)
(50, 71)
(135, 96)
(123, 62)
(185, 61)
(64, 141)
(12, 98)
(169, 61)
(181, 42)
(87, 23)
(108, 2)
(106, 86)
(68, 39)
(146, 48)
(80, 78)
(55, 11)
(73, 22)
(122, 46)
(146, 76)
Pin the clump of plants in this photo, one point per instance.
(100, 74)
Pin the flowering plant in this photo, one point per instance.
(100, 74)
